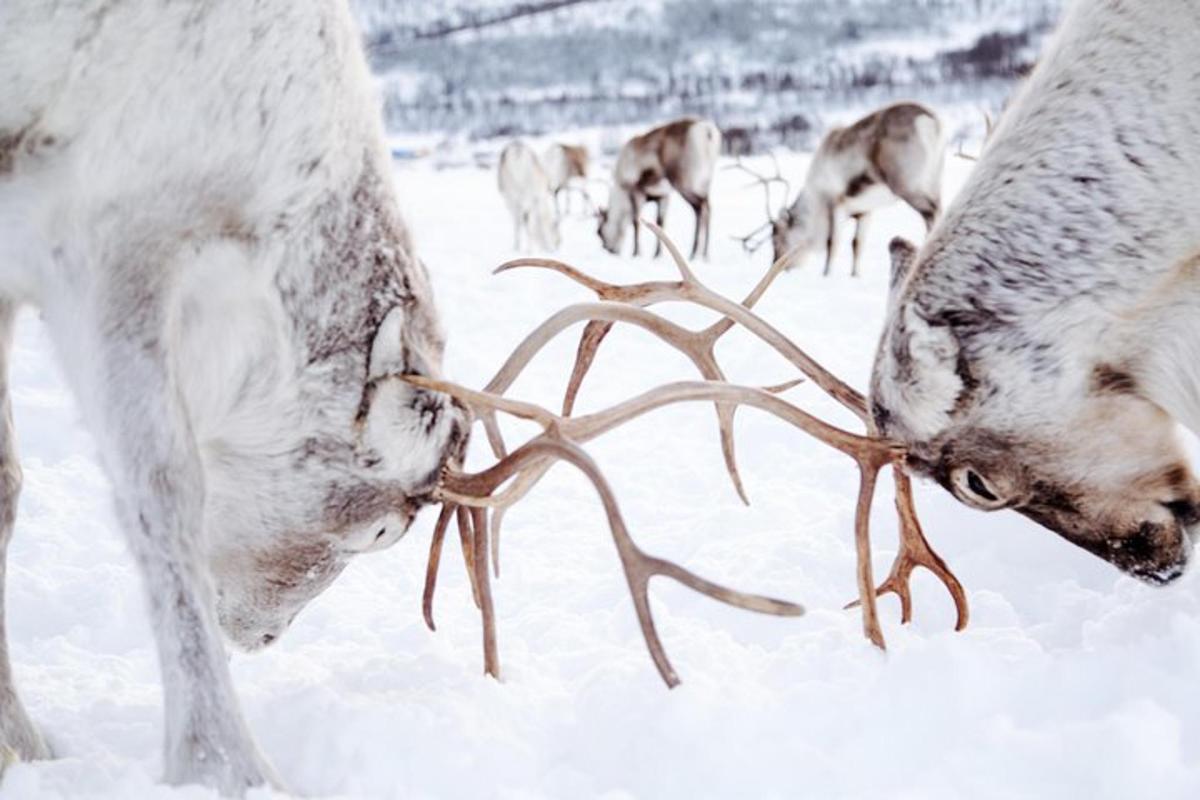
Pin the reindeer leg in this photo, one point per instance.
(860, 234)
(638, 202)
(155, 467)
(698, 210)
(661, 218)
(830, 242)
(706, 218)
(19, 739)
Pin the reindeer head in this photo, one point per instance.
(791, 233)
(614, 219)
(1047, 427)
(349, 451)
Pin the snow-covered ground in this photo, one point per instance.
(1071, 681)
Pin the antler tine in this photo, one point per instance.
(988, 125)
(865, 449)
(765, 181)
(678, 337)
(467, 539)
(690, 343)
(487, 609)
(753, 241)
(597, 286)
(639, 567)
(593, 336)
(435, 560)
(638, 294)
(694, 291)
(702, 295)
(915, 551)
(703, 354)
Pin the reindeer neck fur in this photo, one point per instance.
(1079, 221)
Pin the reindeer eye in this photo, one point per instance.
(975, 490)
(977, 486)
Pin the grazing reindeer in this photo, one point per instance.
(1042, 346)
(565, 163)
(682, 154)
(229, 317)
(529, 195)
(895, 153)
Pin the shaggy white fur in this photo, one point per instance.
(1040, 348)
(197, 197)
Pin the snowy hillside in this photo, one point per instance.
(1071, 681)
(766, 71)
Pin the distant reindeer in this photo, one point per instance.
(895, 153)
(1041, 348)
(683, 155)
(529, 195)
(563, 164)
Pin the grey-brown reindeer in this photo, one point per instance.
(1042, 346)
(681, 155)
(893, 154)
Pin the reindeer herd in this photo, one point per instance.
(254, 341)
(896, 153)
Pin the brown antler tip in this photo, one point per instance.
(517, 263)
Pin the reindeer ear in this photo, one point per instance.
(904, 255)
(917, 375)
(401, 427)
(387, 349)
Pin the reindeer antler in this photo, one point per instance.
(988, 126)
(470, 498)
(914, 550)
(560, 441)
(754, 240)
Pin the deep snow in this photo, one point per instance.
(1071, 681)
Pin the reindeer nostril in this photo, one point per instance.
(381, 533)
(267, 638)
(1141, 546)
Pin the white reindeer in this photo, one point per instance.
(566, 166)
(895, 153)
(1042, 346)
(229, 316)
(529, 196)
(682, 154)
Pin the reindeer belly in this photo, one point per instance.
(863, 197)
